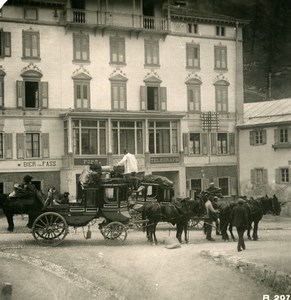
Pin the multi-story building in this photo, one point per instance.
(264, 150)
(81, 80)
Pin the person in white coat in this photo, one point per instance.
(129, 162)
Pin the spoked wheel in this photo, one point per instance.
(50, 229)
(136, 218)
(195, 224)
(114, 232)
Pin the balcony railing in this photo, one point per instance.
(110, 19)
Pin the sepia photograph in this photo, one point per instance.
(145, 149)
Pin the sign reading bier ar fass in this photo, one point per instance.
(165, 159)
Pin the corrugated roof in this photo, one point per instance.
(267, 112)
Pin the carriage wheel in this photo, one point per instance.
(50, 229)
(136, 218)
(114, 231)
(195, 224)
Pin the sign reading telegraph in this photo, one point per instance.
(164, 160)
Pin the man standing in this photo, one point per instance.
(129, 162)
(239, 217)
(210, 217)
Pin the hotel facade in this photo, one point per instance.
(82, 80)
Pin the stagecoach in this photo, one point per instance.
(106, 201)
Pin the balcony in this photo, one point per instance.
(112, 20)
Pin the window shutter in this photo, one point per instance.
(289, 135)
(44, 94)
(8, 145)
(204, 138)
(20, 145)
(187, 184)
(277, 176)
(252, 138)
(7, 44)
(1, 93)
(265, 176)
(264, 136)
(276, 136)
(253, 176)
(216, 181)
(233, 186)
(45, 145)
(213, 143)
(143, 98)
(19, 93)
(163, 91)
(186, 143)
(231, 143)
(8, 187)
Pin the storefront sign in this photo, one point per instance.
(38, 164)
(89, 161)
(165, 160)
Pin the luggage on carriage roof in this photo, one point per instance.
(91, 175)
(162, 180)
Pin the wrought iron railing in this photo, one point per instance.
(100, 18)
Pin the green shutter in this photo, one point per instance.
(20, 145)
(19, 93)
(45, 145)
(233, 186)
(276, 136)
(1, 93)
(213, 143)
(7, 44)
(252, 138)
(8, 187)
(204, 138)
(232, 143)
(163, 91)
(186, 143)
(8, 145)
(265, 176)
(277, 176)
(253, 176)
(264, 137)
(44, 94)
(143, 98)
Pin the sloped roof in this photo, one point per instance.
(270, 112)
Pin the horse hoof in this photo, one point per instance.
(10, 229)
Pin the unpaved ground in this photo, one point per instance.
(90, 269)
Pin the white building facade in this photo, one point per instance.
(83, 80)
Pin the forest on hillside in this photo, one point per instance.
(267, 44)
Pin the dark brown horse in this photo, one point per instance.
(256, 209)
(22, 202)
(178, 212)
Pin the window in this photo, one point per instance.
(192, 28)
(259, 176)
(151, 52)
(5, 43)
(1, 146)
(220, 31)
(163, 137)
(30, 13)
(127, 135)
(192, 56)
(282, 175)
(220, 57)
(195, 143)
(283, 135)
(118, 95)
(82, 94)
(89, 137)
(32, 145)
(221, 96)
(81, 47)
(117, 50)
(30, 44)
(258, 137)
(222, 143)
(196, 185)
(153, 98)
(194, 99)
(31, 93)
(224, 185)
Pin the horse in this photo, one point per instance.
(178, 212)
(21, 202)
(256, 208)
